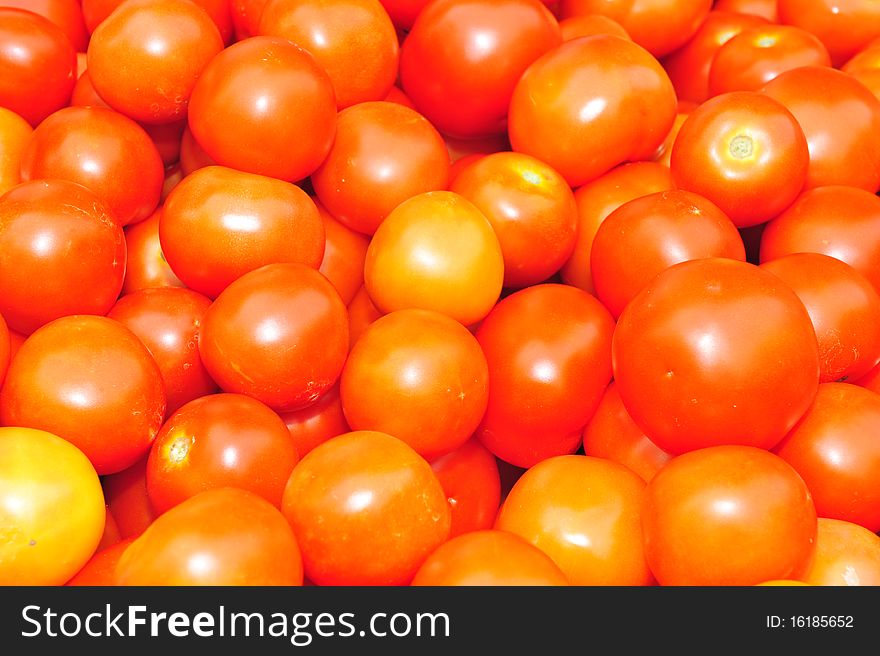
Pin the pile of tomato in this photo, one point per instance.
(446, 292)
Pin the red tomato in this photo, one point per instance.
(377, 491)
(745, 152)
(353, 40)
(646, 235)
(472, 483)
(410, 365)
(840, 118)
(844, 26)
(577, 26)
(5, 348)
(345, 251)
(168, 321)
(15, 133)
(220, 440)
(61, 253)
(100, 570)
(246, 17)
(316, 423)
(532, 211)
(663, 154)
(280, 101)
(383, 154)
(361, 313)
(404, 12)
(549, 353)
(591, 531)
(126, 494)
(488, 557)
(833, 448)
(146, 266)
(66, 14)
(224, 536)
(219, 223)
(591, 104)
(715, 351)
(462, 59)
(220, 11)
(38, 63)
(708, 518)
(764, 8)
(845, 554)
(279, 334)
(145, 57)
(91, 381)
(844, 308)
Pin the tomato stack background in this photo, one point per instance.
(457, 292)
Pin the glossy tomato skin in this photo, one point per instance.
(846, 554)
(220, 440)
(383, 154)
(15, 133)
(591, 104)
(103, 150)
(844, 308)
(692, 353)
(404, 12)
(5, 348)
(146, 266)
(316, 423)
(61, 252)
(168, 321)
(590, 24)
(219, 223)
(345, 252)
(833, 449)
(745, 152)
(646, 235)
(461, 60)
(39, 65)
(766, 9)
(127, 500)
(51, 508)
(375, 489)
(100, 570)
(552, 508)
(548, 348)
(279, 334)
(844, 27)
(708, 519)
(361, 313)
(66, 14)
(246, 17)
(280, 100)
(224, 536)
(90, 380)
(488, 557)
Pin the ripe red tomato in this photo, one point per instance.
(380, 493)
(246, 17)
(548, 348)
(577, 26)
(15, 133)
(404, 12)
(361, 313)
(61, 253)
(91, 381)
(591, 104)
(715, 351)
(66, 14)
(127, 500)
(279, 334)
(708, 518)
(224, 536)
(845, 554)
(345, 252)
(146, 266)
(764, 8)
(844, 26)
(101, 567)
(316, 423)
(5, 348)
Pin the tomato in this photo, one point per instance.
(146, 266)
(66, 14)
(461, 61)
(246, 17)
(220, 440)
(126, 494)
(844, 26)
(472, 483)
(836, 220)
(91, 381)
(833, 449)
(844, 308)
(168, 322)
(597, 199)
(489, 557)
(591, 104)
(51, 508)
(750, 59)
(38, 63)
(663, 154)
(353, 40)
(279, 334)
(532, 211)
(840, 118)
(708, 518)
(145, 57)
(5, 348)
(764, 8)
(61, 253)
(280, 100)
(611, 433)
(404, 12)
(361, 313)
(745, 152)
(223, 536)
(377, 491)
(845, 554)
(384, 153)
(412, 364)
(435, 251)
(548, 348)
(646, 235)
(101, 568)
(220, 12)
(659, 26)
(344, 254)
(715, 351)
(316, 423)
(15, 133)
(591, 531)
(218, 224)
(590, 24)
